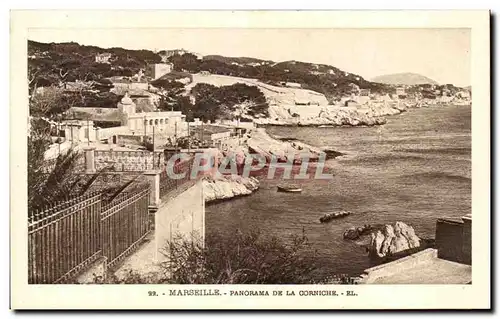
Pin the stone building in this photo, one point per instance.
(364, 92)
(167, 124)
(171, 123)
(79, 131)
(400, 91)
(168, 53)
(103, 57)
(126, 107)
(157, 70)
(214, 135)
(134, 127)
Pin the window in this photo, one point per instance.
(86, 133)
(150, 122)
(156, 122)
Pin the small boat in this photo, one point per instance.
(331, 216)
(289, 189)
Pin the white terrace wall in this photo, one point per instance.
(180, 215)
(131, 161)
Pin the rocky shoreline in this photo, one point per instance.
(369, 114)
(259, 141)
(225, 187)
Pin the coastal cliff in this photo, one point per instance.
(226, 187)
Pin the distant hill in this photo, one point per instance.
(54, 63)
(404, 79)
(239, 60)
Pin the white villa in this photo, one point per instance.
(163, 125)
(168, 123)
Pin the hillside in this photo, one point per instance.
(403, 79)
(54, 63)
(239, 60)
(275, 95)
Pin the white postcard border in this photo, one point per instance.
(476, 295)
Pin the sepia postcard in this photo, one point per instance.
(250, 160)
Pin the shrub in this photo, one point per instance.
(231, 259)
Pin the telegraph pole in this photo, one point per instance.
(189, 139)
(175, 135)
(202, 133)
(59, 139)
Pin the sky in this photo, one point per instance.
(440, 54)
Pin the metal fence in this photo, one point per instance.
(124, 223)
(168, 184)
(66, 238)
(63, 239)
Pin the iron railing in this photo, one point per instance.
(67, 237)
(168, 183)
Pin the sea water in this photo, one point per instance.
(414, 169)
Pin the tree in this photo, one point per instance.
(228, 102)
(174, 99)
(186, 61)
(50, 102)
(50, 181)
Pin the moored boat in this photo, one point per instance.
(289, 189)
(331, 216)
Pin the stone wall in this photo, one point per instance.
(400, 265)
(130, 139)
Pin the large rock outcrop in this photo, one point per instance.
(392, 240)
(226, 187)
(262, 143)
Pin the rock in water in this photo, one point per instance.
(351, 233)
(376, 243)
(354, 233)
(392, 240)
(408, 233)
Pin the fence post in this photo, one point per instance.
(89, 159)
(154, 183)
(154, 194)
(154, 199)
